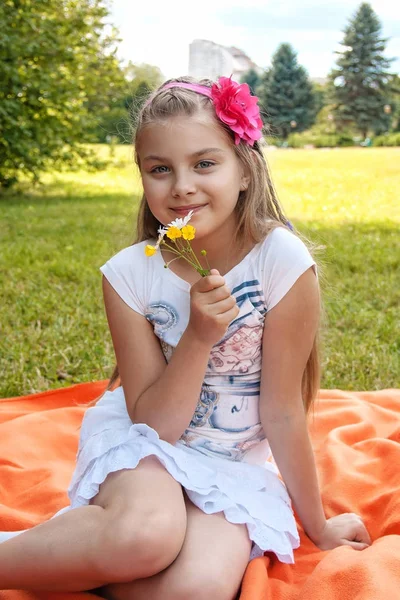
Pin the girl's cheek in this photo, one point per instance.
(156, 185)
(150, 189)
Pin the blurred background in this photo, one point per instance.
(73, 75)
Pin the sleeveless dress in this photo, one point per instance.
(223, 459)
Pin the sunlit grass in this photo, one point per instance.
(338, 185)
(54, 239)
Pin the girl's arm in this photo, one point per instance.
(164, 396)
(289, 332)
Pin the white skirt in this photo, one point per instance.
(248, 494)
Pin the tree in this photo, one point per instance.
(394, 103)
(144, 79)
(58, 68)
(137, 72)
(117, 117)
(253, 80)
(286, 94)
(320, 95)
(324, 122)
(360, 83)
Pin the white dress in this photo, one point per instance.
(223, 459)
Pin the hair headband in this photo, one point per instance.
(234, 106)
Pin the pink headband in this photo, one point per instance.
(234, 105)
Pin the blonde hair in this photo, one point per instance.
(258, 208)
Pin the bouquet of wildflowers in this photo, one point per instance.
(180, 233)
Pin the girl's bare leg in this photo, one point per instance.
(211, 564)
(134, 528)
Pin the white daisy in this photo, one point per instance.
(179, 223)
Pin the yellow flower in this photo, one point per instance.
(173, 233)
(188, 232)
(150, 250)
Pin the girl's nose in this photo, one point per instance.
(183, 186)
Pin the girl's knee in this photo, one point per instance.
(140, 545)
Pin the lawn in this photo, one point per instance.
(54, 239)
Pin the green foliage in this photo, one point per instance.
(113, 124)
(324, 133)
(117, 119)
(324, 122)
(144, 79)
(320, 95)
(58, 70)
(139, 73)
(253, 79)
(360, 83)
(390, 139)
(109, 109)
(318, 139)
(309, 138)
(393, 105)
(286, 94)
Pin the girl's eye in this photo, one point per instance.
(159, 170)
(205, 163)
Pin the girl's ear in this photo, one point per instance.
(244, 182)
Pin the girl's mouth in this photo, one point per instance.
(183, 211)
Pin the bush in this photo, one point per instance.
(389, 139)
(328, 140)
(273, 141)
(332, 140)
(345, 139)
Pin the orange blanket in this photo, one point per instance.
(356, 440)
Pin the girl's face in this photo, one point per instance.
(187, 163)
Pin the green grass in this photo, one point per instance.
(54, 239)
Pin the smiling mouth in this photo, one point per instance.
(184, 210)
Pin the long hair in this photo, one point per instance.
(258, 209)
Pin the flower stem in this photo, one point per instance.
(182, 250)
(203, 272)
(172, 260)
(180, 255)
(208, 264)
(189, 247)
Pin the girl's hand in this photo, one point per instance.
(347, 529)
(212, 308)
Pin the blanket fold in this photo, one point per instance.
(356, 439)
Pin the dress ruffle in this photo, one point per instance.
(247, 494)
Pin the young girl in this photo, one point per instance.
(175, 487)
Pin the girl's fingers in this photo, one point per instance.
(224, 306)
(355, 545)
(367, 537)
(206, 284)
(358, 538)
(361, 534)
(218, 294)
(231, 314)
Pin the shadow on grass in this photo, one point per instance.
(60, 191)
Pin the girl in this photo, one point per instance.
(175, 487)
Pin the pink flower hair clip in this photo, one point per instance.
(234, 106)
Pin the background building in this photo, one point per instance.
(211, 60)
